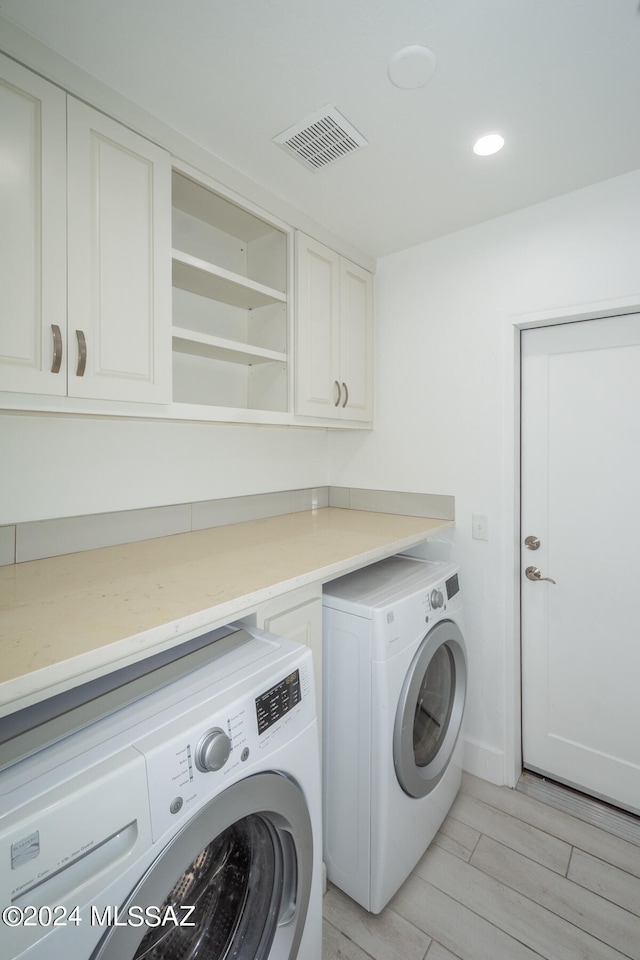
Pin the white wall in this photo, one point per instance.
(445, 394)
(60, 467)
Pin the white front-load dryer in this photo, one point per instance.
(185, 824)
(394, 681)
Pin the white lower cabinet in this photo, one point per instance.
(298, 616)
(84, 249)
(334, 334)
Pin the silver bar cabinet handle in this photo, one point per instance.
(82, 353)
(57, 348)
(346, 394)
(337, 403)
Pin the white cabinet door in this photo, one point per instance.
(356, 341)
(317, 329)
(33, 302)
(334, 334)
(119, 309)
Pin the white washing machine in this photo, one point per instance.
(395, 676)
(185, 823)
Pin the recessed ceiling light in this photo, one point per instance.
(490, 143)
(411, 67)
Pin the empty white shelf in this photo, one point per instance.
(216, 283)
(217, 348)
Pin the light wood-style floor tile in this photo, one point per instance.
(516, 914)
(336, 946)
(608, 882)
(387, 936)
(517, 834)
(600, 918)
(605, 846)
(455, 926)
(457, 837)
(437, 952)
(506, 878)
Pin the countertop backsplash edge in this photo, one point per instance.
(40, 539)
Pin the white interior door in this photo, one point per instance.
(581, 499)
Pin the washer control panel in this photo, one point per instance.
(400, 622)
(272, 705)
(195, 755)
(452, 586)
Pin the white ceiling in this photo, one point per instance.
(560, 79)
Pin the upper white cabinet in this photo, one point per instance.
(119, 312)
(356, 341)
(334, 334)
(33, 205)
(85, 249)
(230, 296)
(129, 276)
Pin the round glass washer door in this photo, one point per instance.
(244, 862)
(430, 709)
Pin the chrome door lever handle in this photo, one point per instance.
(533, 573)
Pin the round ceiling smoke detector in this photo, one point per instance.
(411, 67)
(490, 143)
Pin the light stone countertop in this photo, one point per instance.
(71, 618)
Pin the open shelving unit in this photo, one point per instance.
(230, 302)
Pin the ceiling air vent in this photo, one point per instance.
(320, 139)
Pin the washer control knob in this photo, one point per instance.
(437, 599)
(213, 750)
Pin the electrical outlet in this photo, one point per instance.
(480, 526)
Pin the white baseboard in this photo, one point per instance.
(484, 761)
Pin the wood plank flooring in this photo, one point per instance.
(506, 878)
